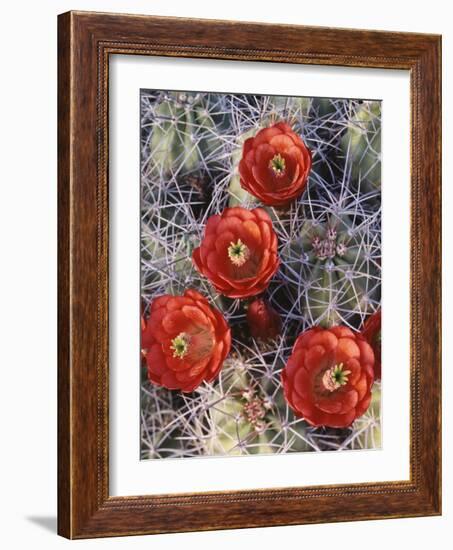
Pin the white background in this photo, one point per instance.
(28, 275)
(130, 476)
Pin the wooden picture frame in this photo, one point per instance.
(85, 41)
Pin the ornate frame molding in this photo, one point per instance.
(86, 40)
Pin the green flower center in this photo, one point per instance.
(278, 165)
(180, 345)
(335, 377)
(238, 253)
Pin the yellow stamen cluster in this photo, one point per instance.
(238, 253)
(335, 377)
(180, 345)
(278, 164)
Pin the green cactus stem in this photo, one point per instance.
(332, 269)
(185, 134)
(361, 146)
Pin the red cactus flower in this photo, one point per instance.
(264, 322)
(146, 339)
(238, 253)
(328, 378)
(275, 165)
(372, 333)
(187, 341)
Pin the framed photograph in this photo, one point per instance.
(249, 275)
